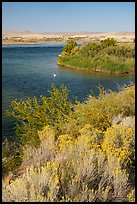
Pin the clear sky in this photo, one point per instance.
(68, 16)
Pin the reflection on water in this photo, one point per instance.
(27, 71)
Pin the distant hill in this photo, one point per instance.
(37, 37)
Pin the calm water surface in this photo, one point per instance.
(27, 71)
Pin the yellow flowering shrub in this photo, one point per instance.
(39, 183)
(99, 112)
(131, 196)
(120, 142)
(91, 160)
(122, 102)
(64, 142)
(47, 134)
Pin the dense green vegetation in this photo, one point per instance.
(72, 151)
(32, 115)
(107, 56)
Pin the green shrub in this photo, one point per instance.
(33, 114)
(108, 42)
(67, 49)
(11, 157)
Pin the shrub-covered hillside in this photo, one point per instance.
(85, 152)
(107, 56)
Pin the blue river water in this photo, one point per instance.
(27, 71)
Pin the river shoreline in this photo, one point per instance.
(29, 43)
(97, 71)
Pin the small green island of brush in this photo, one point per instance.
(105, 56)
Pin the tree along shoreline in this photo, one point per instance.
(104, 57)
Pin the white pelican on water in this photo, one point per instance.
(54, 75)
